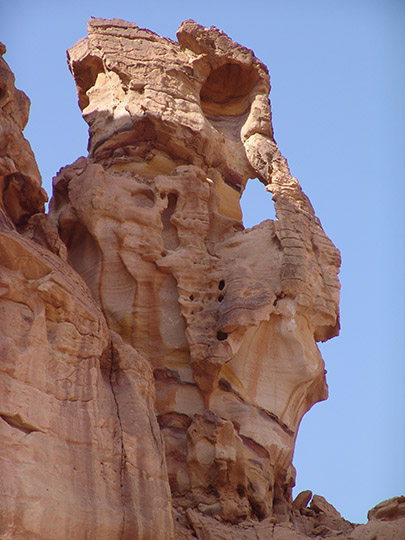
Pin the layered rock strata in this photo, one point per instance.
(81, 454)
(228, 318)
(157, 357)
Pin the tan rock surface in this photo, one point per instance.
(320, 521)
(20, 181)
(386, 522)
(227, 317)
(156, 357)
(66, 429)
(70, 438)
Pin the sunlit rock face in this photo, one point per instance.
(156, 363)
(21, 194)
(227, 317)
(80, 458)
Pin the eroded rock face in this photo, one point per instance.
(156, 357)
(319, 520)
(21, 194)
(71, 433)
(228, 318)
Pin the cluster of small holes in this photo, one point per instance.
(207, 297)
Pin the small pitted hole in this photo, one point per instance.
(220, 297)
(221, 285)
(191, 297)
(241, 490)
(162, 195)
(221, 336)
(163, 254)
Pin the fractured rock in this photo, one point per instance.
(301, 500)
(66, 429)
(386, 521)
(21, 194)
(228, 318)
(156, 357)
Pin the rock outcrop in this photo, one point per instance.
(157, 357)
(76, 406)
(228, 318)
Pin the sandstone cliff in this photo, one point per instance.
(156, 357)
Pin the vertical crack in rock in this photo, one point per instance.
(143, 464)
(121, 437)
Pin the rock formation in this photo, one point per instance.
(157, 357)
(70, 440)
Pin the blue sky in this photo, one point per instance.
(338, 86)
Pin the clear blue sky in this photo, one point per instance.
(337, 73)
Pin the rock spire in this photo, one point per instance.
(156, 356)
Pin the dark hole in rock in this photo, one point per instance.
(221, 336)
(241, 490)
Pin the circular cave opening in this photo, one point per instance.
(227, 88)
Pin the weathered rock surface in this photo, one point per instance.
(20, 187)
(319, 520)
(386, 522)
(227, 317)
(156, 357)
(76, 409)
